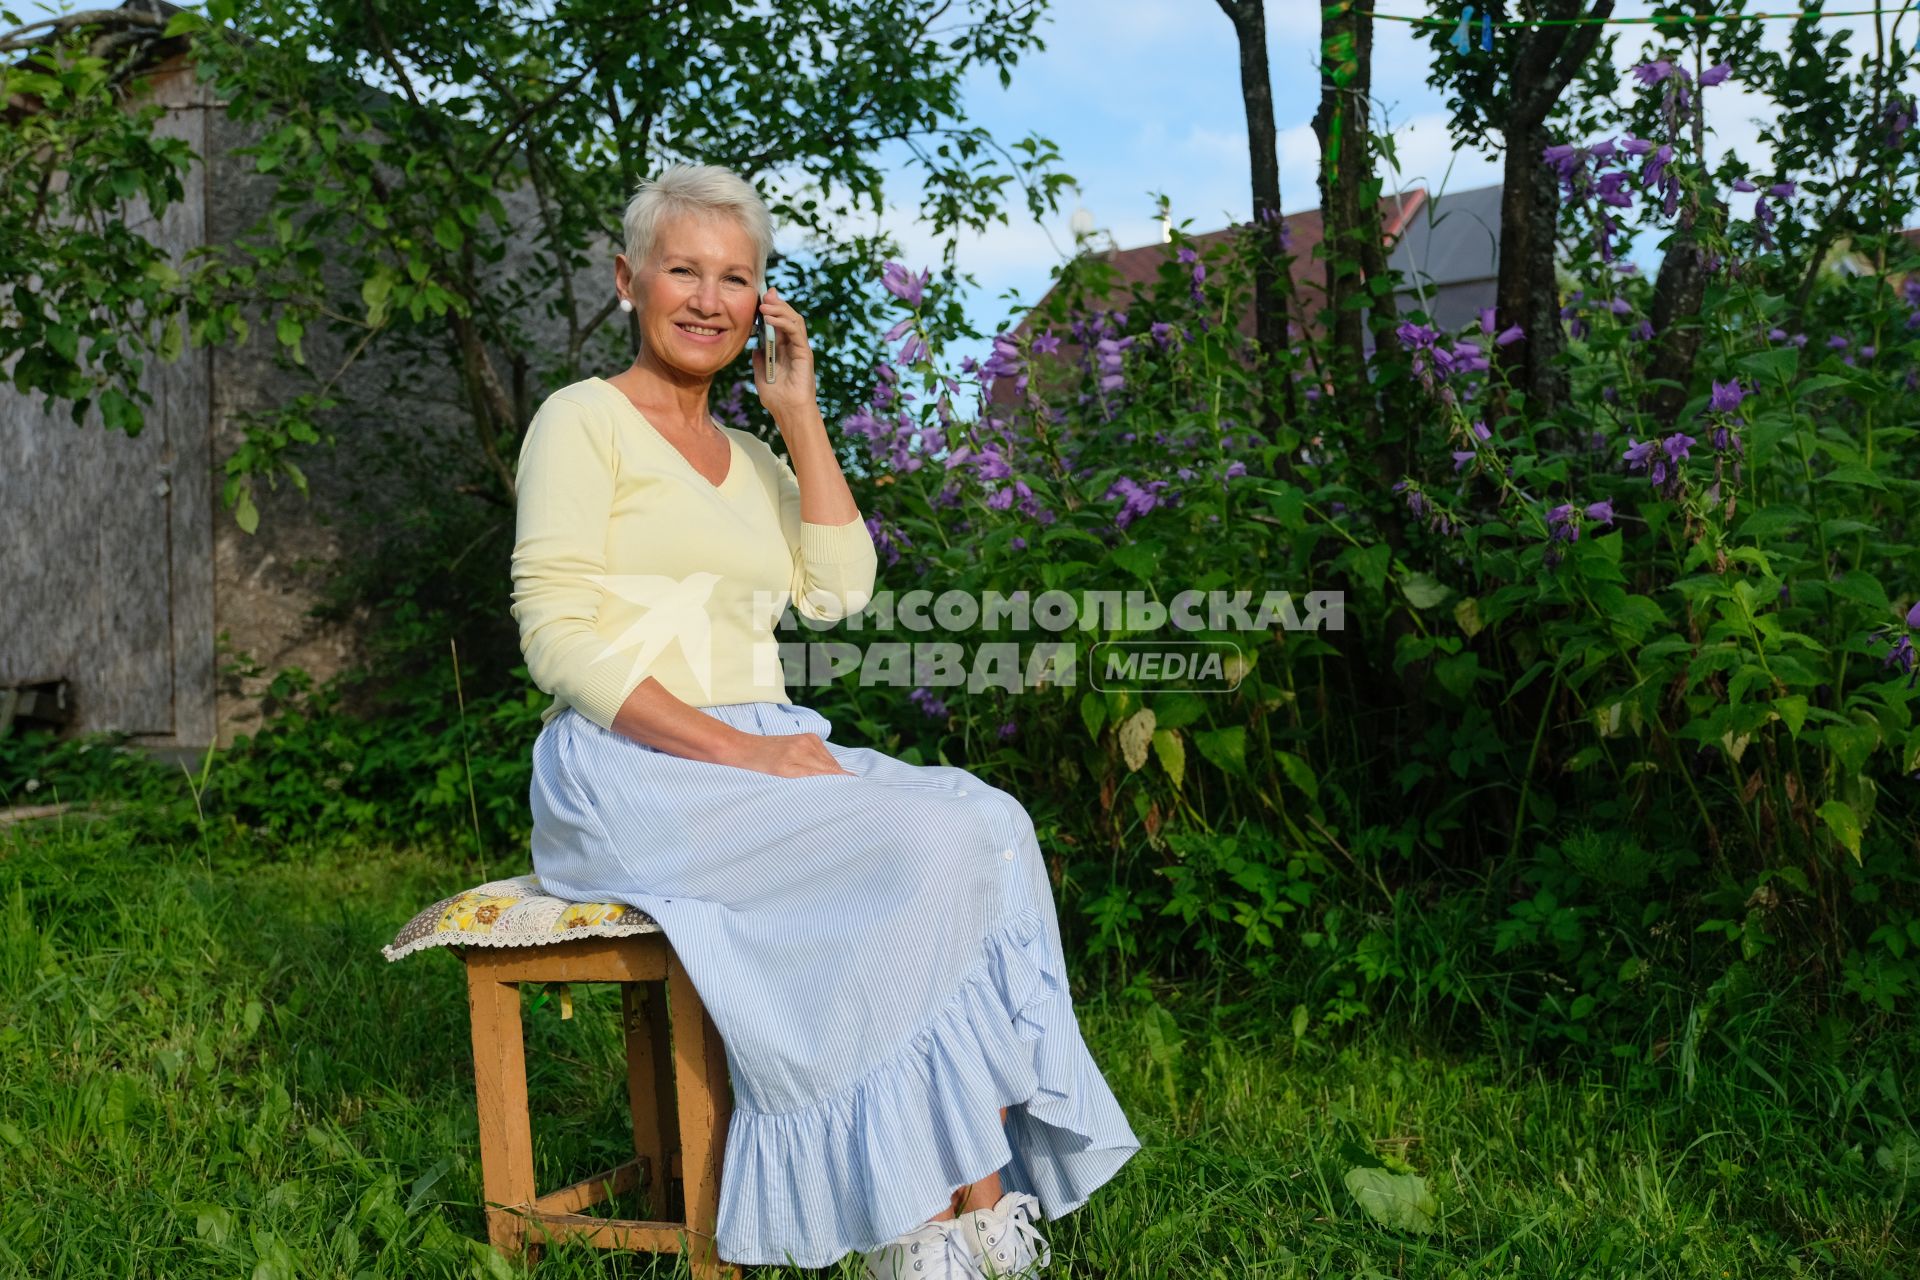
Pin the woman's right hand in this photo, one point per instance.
(786, 755)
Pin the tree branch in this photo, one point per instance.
(18, 39)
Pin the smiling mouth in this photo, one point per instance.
(698, 330)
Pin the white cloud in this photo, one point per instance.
(1427, 158)
(1144, 96)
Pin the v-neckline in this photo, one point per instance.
(733, 463)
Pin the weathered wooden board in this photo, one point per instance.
(88, 529)
(83, 521)
(184, 389)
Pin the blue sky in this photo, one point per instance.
(1144, 96)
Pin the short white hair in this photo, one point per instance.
(706, 190)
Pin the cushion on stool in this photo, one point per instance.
(514, 913)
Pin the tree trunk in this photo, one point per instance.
(1272, 284)
(1545, 60)
(1678, 292)
(1350, 216)
(1527, 294)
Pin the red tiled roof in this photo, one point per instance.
(1140, 266)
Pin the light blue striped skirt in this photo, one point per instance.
(882, 958)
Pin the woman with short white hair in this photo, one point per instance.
(876, 941)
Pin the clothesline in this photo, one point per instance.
(1672, 19)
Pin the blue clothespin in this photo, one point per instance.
(1486, 31)
(1462, 40)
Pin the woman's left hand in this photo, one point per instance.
(792, 392)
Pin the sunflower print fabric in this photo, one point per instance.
(514, 913)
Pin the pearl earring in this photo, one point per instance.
(626, 304)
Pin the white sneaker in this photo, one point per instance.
(1003, 1240)
(931, 1251)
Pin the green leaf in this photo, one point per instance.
(1299, 773)
(1459, 673)
(120, 413)
(173, 341)
(1163, 1045)
(1900, 1156)
(487, 1262)
(375, 291)
(423, 1187)
(1171, 750)
(1225, 749)
(289, 331)
(273, 1260)
(1289, 507)
(1851, 744)
(1636, 617)
(1397, 1200)
(1771, 520)
(1861, 586)
(1368, 564)
(1853, 473)
(1817, 383)
(1423, 591)
(1142, 560)
(1844, 823)
(1178, 710)
(1774, 363)
(1093, 713)
(245, 514)
(1163, 1038)
(211, 1222)
(1793, 710)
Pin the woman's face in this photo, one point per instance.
(695, 294)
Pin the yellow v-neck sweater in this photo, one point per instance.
(629, 563)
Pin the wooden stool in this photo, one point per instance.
(680, 1097)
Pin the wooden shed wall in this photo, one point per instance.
(138, 585)
(106, 541)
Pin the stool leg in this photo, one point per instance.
(500, 1089)
(656, 1121)
(705, 1102)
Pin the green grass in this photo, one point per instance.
(207, 1069)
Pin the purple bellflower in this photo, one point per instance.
(1726, 397)
(903, 284)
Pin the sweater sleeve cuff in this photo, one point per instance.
(601, 693)
(847, 543)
